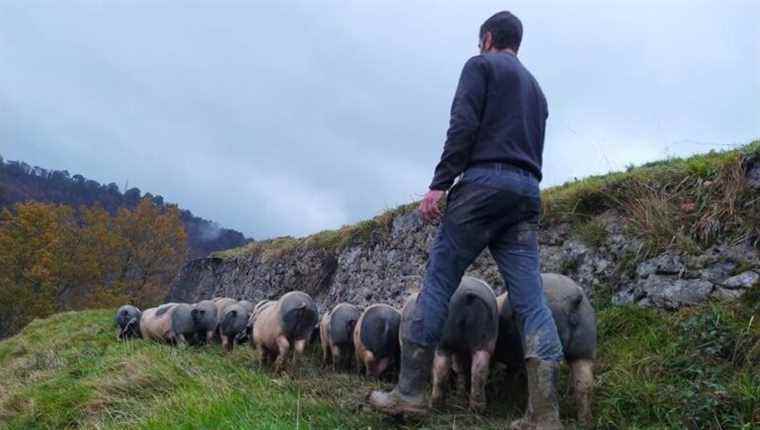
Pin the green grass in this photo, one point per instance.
(590, 196)
(327, 240)
(682, 203)
(69, 372)
(591, 232)
(697, 368)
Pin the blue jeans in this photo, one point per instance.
(496, 207)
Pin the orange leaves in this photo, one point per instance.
(32, 258)
(153, 248)
(55, 258)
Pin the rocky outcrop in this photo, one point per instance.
(753, 172)
(389, 265)
(671, 281)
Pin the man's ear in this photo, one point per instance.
(487, 41)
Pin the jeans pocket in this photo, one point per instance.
(470, 201)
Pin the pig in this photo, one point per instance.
(172, 322)
(156, 323)
(247, 305)
(232, 325)
(204, 315)
(276, 325)
(223, 302)
(128, 322)
(376, 342)
(576, 326)
(184, 326)
(468, 342)
(336, 332)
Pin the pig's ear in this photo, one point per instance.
(123, 332)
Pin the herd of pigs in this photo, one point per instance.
(481, 328)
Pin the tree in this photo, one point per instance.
(34, 257)
(155, 245)
(132, 197)
(19, 183)
(55, 258)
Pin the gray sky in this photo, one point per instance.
(290, 117)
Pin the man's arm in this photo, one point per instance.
(466, 113)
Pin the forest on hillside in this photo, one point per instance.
(56, 258)
(20, 182)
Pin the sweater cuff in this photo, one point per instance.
(439, 186)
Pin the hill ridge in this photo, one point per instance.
(21, 182)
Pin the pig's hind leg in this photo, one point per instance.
(481, 361)
(441, 371)
(283, 347)
(583, 386)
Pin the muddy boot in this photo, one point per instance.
(409, 395)
(543, 406)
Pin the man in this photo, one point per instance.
(495, 141)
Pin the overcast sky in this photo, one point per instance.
(289, 117)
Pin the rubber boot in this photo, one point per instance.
(409, 396)
(543, 405)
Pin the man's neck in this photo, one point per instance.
(501, 51)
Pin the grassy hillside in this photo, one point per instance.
(697, 368)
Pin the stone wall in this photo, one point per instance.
(389, 265)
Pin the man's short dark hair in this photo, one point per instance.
(506, 30)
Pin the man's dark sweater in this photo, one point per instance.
(498, 116)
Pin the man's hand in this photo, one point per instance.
(429, 207)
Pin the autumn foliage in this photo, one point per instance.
(55, 258)
(20, 182)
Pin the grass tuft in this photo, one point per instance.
(372, 230)
(683, 204)
(592, 233)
